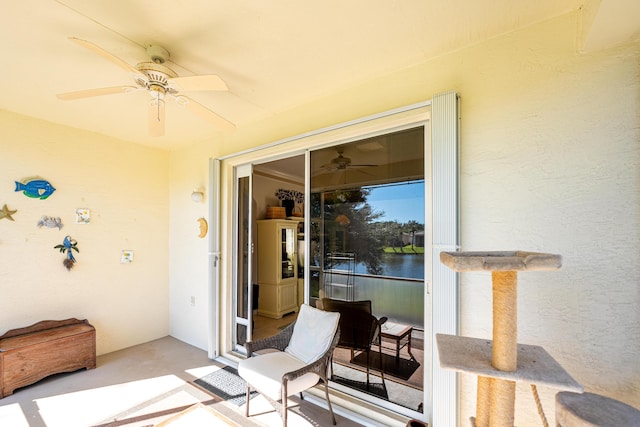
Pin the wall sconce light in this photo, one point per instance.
(197, 195)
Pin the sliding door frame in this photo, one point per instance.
(444, 314)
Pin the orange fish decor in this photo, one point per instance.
(68, 246)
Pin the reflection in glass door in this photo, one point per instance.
(242, 291)
(367, 240)
(367, 243)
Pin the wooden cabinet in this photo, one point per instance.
(277, 267)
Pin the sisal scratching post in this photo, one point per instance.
(505, 346)
(505, 320)
(483, 407)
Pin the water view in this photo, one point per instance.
(396, 265)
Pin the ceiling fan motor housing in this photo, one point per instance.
(158, 76)
(341, 161)
(158, 54)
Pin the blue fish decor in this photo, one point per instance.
(68, 246)
(36, 188)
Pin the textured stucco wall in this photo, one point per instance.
(550, 159)
(126, 188)
(188, 252)
(550, 153)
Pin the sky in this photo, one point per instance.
(400, 202)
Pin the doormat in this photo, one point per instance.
(226, 384)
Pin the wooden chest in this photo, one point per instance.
(49, 347)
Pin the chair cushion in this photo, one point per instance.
(312, 333)
(265, 372)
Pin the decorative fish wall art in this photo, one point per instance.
(36, 188)
(6, 213)
(50, 222)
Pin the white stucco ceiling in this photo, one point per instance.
(273, 55)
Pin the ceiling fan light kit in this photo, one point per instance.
(159, 80)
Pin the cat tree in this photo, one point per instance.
(502, 362)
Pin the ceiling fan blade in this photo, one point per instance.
(326, 168)
(204, 113)
(205, 82)
(108, 56)
(88, 93)
(323, 171)
(155, 115)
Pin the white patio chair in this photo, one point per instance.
(304, 351)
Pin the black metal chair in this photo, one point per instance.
(359, 328)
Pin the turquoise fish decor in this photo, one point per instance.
(6, 213)
(68, 246)
(35, 188)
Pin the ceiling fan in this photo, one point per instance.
(341, 163)
(160, 81)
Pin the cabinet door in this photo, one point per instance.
(288, 298)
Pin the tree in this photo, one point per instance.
(388, 232)
(411, 227)
(350, 225)
(347, 213)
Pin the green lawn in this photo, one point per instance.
(404, 250)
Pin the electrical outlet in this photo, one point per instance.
(193, 301)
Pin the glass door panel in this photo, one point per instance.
(242, 290)
(367, 243)
(288, 251)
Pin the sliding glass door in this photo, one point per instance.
(369, 228)
(367, 243)
(361, 223)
